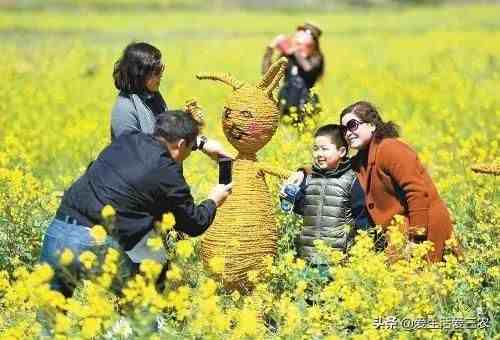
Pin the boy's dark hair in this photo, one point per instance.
(336, 133)
(176, 124)
(138, 62)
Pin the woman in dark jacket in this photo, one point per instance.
(305, 67)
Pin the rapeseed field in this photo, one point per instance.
(434, 71)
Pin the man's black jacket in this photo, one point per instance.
(136, 176)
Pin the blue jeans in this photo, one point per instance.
(61, 235)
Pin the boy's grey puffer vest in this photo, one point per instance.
(327, 210)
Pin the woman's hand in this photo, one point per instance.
(215, 150)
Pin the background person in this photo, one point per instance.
(305, 66)
(140, 176)
(394, 180)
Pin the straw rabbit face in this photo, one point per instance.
(251, 114)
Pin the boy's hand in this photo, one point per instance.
(295, 178)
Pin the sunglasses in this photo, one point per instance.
(353, 125)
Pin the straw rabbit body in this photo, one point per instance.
(244, 230)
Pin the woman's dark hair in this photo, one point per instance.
(176, 124)
(139, 61)
(335, 133)
(369, 114)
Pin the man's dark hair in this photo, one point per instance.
(336, 133)
(138, 62)
(176, 124)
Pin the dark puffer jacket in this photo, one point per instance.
(332, 203)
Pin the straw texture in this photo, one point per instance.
(244, 230)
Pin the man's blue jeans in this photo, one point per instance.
(61, 235)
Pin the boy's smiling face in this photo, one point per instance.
(326, 155)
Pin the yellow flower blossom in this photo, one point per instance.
(208, 288)
(167, 223)
(300, 264)
(91, 327)
(62, 323)
(301, 286)
(174, 273)
(98, 233)
(87, 258)
(66, 257)
(155, 243)
(253, 276)
(216, 264)
(184, 248)
(150, 268)
(108, 212)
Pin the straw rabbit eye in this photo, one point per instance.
(227, 112)
(246, 114)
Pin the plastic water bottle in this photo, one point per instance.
(288, 195)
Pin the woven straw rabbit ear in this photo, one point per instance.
(226, 78)
(195, 110)
(273, 76)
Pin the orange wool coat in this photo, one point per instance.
(395, 182)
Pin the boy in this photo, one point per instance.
(330, 199)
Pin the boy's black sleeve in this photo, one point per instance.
(360, 215)
(298, 207)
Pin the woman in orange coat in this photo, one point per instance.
(393, 178)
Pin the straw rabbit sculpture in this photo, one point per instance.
(244, 230)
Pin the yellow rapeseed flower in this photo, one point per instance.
(253, 276)
(91, 327)
(174, 273)
(4, 280)
(300, 264)
(98, 233)
(66, 257)
(155, 243)
(301, 286)
(167, 223)
(112, 255)
(216, 264)
(108, 212)
(105, 280)
(150, 268)
(62, 323)
(208, 288)
(42, 274)
(184, 248)
(87, 258)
